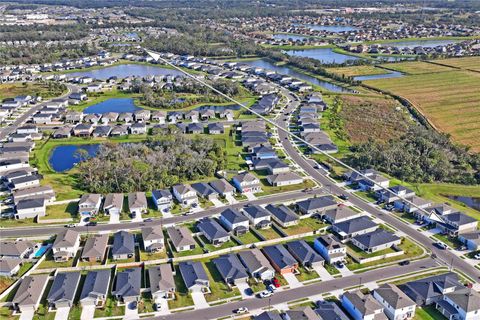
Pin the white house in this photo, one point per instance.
(185, 194)
(396, 304)
(66, 245)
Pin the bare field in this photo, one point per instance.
(416, 67)
(450, 101)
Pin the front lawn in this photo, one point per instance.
(62, 211)
(210, 247)
(428, 313)
(451, 242)
(111, 309)
(306, 275)
(144, 256)
(219, 289)
(182, 296)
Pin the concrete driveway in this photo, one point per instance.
(217, 203)
(129, 313)
(87, 312)
(344, 271)
(231, 199)
(199, 300)
(250, 196)
(323, 273)
(292, 280)
(163, 304)
(242, 287)
(114, 218)
(27, 315)
(62, 313)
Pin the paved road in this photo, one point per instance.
(446, 256)
(50, 230)
(317, 288)
(4, 132)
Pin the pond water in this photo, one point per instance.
(471, 202)
(126, 70)
(65, 157)
(283, 36)
(421, 43)
(331, 28)
(263, 63)
(325, 55)
(391, 74)
(112, 105)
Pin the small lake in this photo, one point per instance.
(265, 64)
(113, 105)
(283, 36)
(420, 43)
(126, 70)
(471, 202)
(390, 74)
(325, 55)
(330, 28)
(65, 157)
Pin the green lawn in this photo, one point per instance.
(111, 309)
(304, 226)
(451, 242)
(248, 238)
(146, 303)
(144, 256)
(306, 275)
(428, 313)
(6, 314)
(269, 233)
(62, 211)
(49, 263)
(210, 247)
(182, 297)
(331, 269)
(219, 289)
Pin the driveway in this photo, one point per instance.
(130, 314)
(231, 199)
(62, 313)
(250, 196)
(27, 314)
(138, 218)
(163, 304)
(323, 273)
(217, 203)
(292, 280)
(199, 300)
(344, 271)
(242, 287)
(114, 218)
(87, 312)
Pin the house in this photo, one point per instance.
(222, 187)
(284, 179)
(362, 306)
(316, 205)
(305, 255)
(470, 239)
(339, 214)
(457, 223)
(113, 203)
(231, 269)
(205, 191)
(394, 193)
(73, 117)
(281, 260)
(268, 315)
(259, 217)
(273, 166)
(162, 199)
(138, 128)
(354, 227)
(283, 215)
(95, 248)
(429, 290)
(109, 117)
(215, 128)
(256, 264)
(263, 152)
(66, 245)
(42, 118)
(30, 208)
(137, 203)
(63, 290)
(128, 285)
(376, 240)
(95, 288)
(413, 204)
(396, 304)
(102, 131)
(126, 117)
(181, 238)
(185, 194)
(153, 239)
(159, 116)
(234, 221)
(45, 192)
(29, 181)
(330, 248)
(433, 213)
(304, 313)
(462, 304)
(9, 267)
(29, 293)
(373, 183)
(194, 276)
(78, 96)
(328, 310)
(89, 204)
(123, 245)
(83, 130)
(195, 128)
(142, 115)
(212, 231)
(119, 130)
(162, 284)
(62, 133)
(18, 249)
(247, 183)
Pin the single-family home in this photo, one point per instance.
(284, 179)
(63, 290)
(330, 248)
(213, 231)
(376, 240)
(396, 304)
(137, 203)
(123, 245)
(162, 199)
(354, 227)
(247, 183)
(162, 284)
(222, 187)
(95, 288)
(339, 214)
(142, 115)
(457, 223)
(29, 293)
(89, 204)
(304, 313)
(259, 217)
(268, 315)
(394, 193)
(470, 239)
(194, 276)
(256, 264)
(264, 152)
(113, 203)
(153, 239)
(462, 304)
(216, 128)
(305, 255)
(204, 190)
(95, 248)
(412, 204)
(316, 205)
(83, 130)
(231, 269)
(128, 285)
(181, 238)
(17, 249)
(234, 221)
(362, 306)
(327, 310)
(283, 215)
(281, 260)
(66, 245)
(138, 128)
(185, 194)
(30, 208)
(9, 267)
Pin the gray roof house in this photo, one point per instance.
(95, 288)
(339, 214)
(354, 227)
(18, 249)
(256, 264)
(95, 247)
(376, 240)
(64, 287)
(304, 254)
(30, 292)
(329, 310)
(283, 215)
(162, 284)
(204, 190)
(316, 205)
(361, 306)
(231, 269)
(461, 304)
(65, 245)
(194, 276)
(162, 199)
(234, 221)
(113, 203)
(281, 260)
(153, 239)
(137, 203)
(9, 267)
(181, 238)
(213, 231)
(222, 187)
(123, 245)
(457, 223)
(268, 315)
(396, 304)
(258, 216)
(301, 313)
(89, 203)
(128, 285)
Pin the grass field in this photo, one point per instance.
(416, 67)
(11, 90)
(449, 100)
(357, 71)
(468, 63)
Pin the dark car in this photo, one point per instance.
(405, 263)
(249, 292)
(92, 224)
(343, 197)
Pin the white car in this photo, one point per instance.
(477, 256)
(241, 310)
(441, 245)
(265, 294)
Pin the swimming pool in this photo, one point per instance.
(41, 251)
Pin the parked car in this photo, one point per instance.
(441, 245)
(389, 207)
(343, 197)
(271, 288)
(249, 292)
(148, 220)
(405, 263)
(340, 264)
(477, 256)
(276, 283)
(70, 225)
(91, 224)
(241, 310)
(265, 294)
